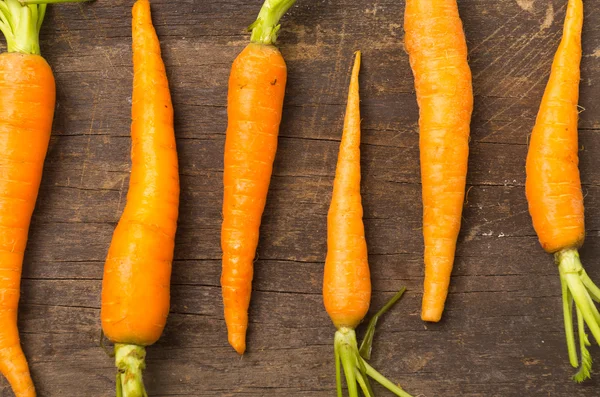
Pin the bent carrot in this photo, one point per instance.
(437, 48)
(254, 107)
(553, 189)
(27, 99)
(135, 286)
(346, 279)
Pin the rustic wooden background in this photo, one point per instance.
(502, 334)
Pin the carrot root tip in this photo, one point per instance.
(130, 362)
(580, 291)
(356, 369)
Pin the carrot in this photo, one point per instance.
(27, 102)
(436, 45)
(553, 189)
(135, 287)
(254, 107)
(346, 281)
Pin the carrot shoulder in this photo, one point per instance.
(437, 48)
(553, 189)
(136, 283)
(254, 106)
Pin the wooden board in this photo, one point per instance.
(502, 333)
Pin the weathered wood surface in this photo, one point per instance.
(502, 333)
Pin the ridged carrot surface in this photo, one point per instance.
(553, 189)
(26, 111)
(254, 106)
(27, 99)
(553, 185)
(136, 283)
(437, 48)
(347, 280)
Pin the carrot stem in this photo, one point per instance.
(366, 345)
(363, 382)
(21, 21)
(265, 28)
(568, 318)
(586, 358)
(28, 2)
(345, 339)
(356, 369)
(130, 361)
(385, 382)
(576, 284)
(338, 371)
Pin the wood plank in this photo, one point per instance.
(502, 333)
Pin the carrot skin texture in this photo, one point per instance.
(437, 49)
(255, 103)
(136, 283)
(553, 185)
(346, 278)
(24, 137)
(347, 281)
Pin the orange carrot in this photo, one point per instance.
(255, 103)
(135, 287)
(27, 99)
(436, 44)
(346, 280)
(553, 189)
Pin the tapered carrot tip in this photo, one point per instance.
(431, 314)
(238, 341)
(434, 298)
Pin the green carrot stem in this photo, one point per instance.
(385, 382)
(367, 342)
(345, 339)
(363, 382)
(28, 2)
(577, 287)
(356, 369)
(586, 358)
(130, 362)
(265, 28)
(21, 21)
(338, 370)
(567, 299)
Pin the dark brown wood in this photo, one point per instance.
(502, 332)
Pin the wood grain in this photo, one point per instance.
(502, 334)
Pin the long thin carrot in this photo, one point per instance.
(436, 44)
(135, 287)
(553, 188)
(346, 280)
(27, 99)
(255, 103)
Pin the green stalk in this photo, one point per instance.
(356, 369)
(130, 361)
(338, 370)
(265, 28)
(385, 382)
(367, 342)
(568, 319)
(363, 381)
(21, 21)
(579, 288)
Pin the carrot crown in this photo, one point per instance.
(20, 22)
(265, 28)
